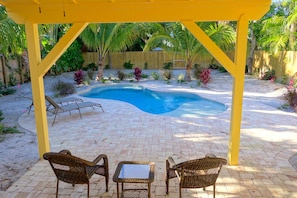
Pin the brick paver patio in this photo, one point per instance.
(123, 132)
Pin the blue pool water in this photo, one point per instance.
(156, 102)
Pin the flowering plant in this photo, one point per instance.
(137, 73)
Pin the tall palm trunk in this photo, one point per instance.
(292, 38)
(100, 68)
(188, 71)
(253, 46)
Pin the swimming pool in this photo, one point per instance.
(156, 102)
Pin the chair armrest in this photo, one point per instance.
(171, 163)
(170, 169)
(102, 156)
(65, 152)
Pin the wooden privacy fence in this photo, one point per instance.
(284, 64)
(151, 60)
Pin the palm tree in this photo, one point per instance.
(104, 38)
(12, 35)
(174, 37)
(279, 30)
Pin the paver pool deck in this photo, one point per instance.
(123, 132)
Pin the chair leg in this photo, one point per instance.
(54, 119)
(88, 190)
(167, 186)
(79, 113)
(106, 181)
(57, 190)
(180, 196)
(214, 190)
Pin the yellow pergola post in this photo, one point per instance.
(38, 68)
(238, 87)
(37, 87)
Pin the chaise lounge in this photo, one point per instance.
(55, 108)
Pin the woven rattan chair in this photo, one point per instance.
(74, 170)
(198, 173)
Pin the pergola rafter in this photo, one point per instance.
(82, 12)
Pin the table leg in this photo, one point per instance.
(118, 194)
(149, 190)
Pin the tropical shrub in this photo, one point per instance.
(4, 129)
(91, 66)
(61, 88)
(12, 80)
(144, 75)
(291, 95)
(167, 75)
(155, 75)
(268, 75)
(205, 76)
(71, 60)
(137, 73)
(168, 66)
(79, 77)
(121, 75)
(5, 90)
(181, 78)
(145, 65)
(128, 65)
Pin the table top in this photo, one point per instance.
(134, 172)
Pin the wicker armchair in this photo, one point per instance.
(74, 170)
(198, 173)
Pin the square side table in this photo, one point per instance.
(134, 172)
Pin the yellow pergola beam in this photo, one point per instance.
(212, 48)
(61, 47)
(106, 11)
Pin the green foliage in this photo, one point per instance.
(12, 80)
(1, 116)
(144, 75)
(181, 78)
(63, 89)
(168, 65)
(128, 65)
(5, 90)
(222, 69)
(91, 66)
(145, 65)
(155, 75)
(197, 71)
(71, 60)
(167, 75)
(90, 74)
(268, 75)
(213, 66)
(4, 129)
(121, 75)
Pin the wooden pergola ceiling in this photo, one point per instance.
(72, 11)
(82, 12)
